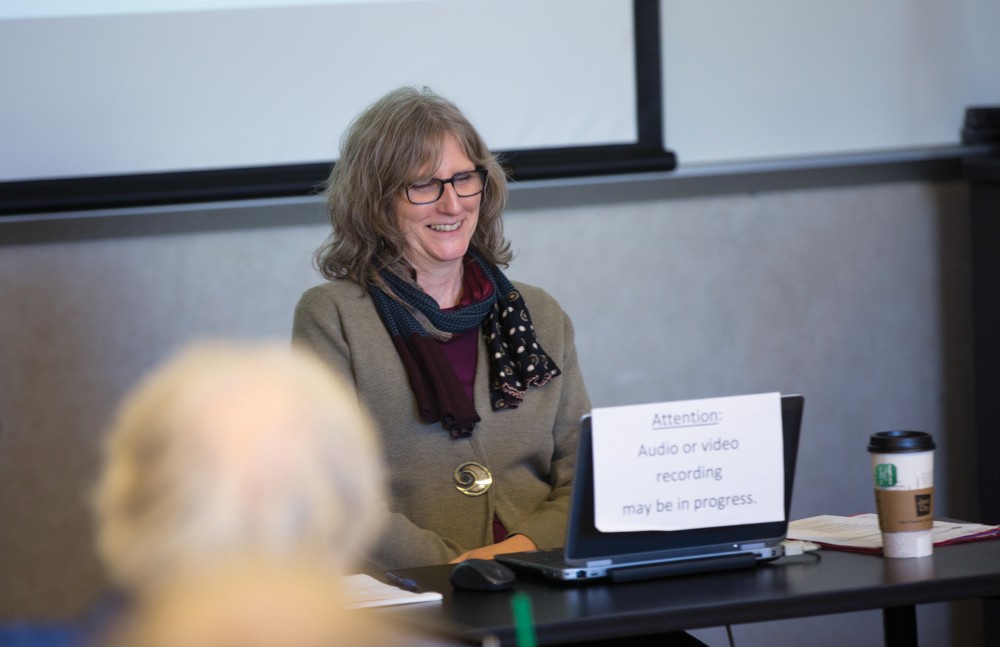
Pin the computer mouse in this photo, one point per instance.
(482, 575)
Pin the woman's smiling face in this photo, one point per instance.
(438, 234)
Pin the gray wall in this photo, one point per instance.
(855, 296)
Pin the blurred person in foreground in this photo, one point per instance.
(234, 449)
(473, 380)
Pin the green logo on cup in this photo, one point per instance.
(885, 475)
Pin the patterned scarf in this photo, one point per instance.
(416, 325)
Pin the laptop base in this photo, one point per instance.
(683, 567)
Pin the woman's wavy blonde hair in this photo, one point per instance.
(236, 448)
(386, 148)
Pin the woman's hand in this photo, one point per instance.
(512, 544)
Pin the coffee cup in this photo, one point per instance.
(903, 473)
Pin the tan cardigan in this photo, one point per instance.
(530, 450)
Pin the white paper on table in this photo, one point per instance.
(365, 591)
(862, 531)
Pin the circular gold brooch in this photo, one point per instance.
(472, 479)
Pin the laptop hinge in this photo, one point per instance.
(683, 567)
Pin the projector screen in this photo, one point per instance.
(162, 102)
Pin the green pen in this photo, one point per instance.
(524, 626)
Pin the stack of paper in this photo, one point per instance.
(861, 532)
(366, 591)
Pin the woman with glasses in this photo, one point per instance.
(472, 380)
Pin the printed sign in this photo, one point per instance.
(689, 464)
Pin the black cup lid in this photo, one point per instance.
(892, 442)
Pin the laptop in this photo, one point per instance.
(590, 554)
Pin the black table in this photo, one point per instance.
(818, 583)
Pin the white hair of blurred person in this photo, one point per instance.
(252, 603)
(236, 448)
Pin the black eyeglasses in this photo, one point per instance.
(466, 185)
